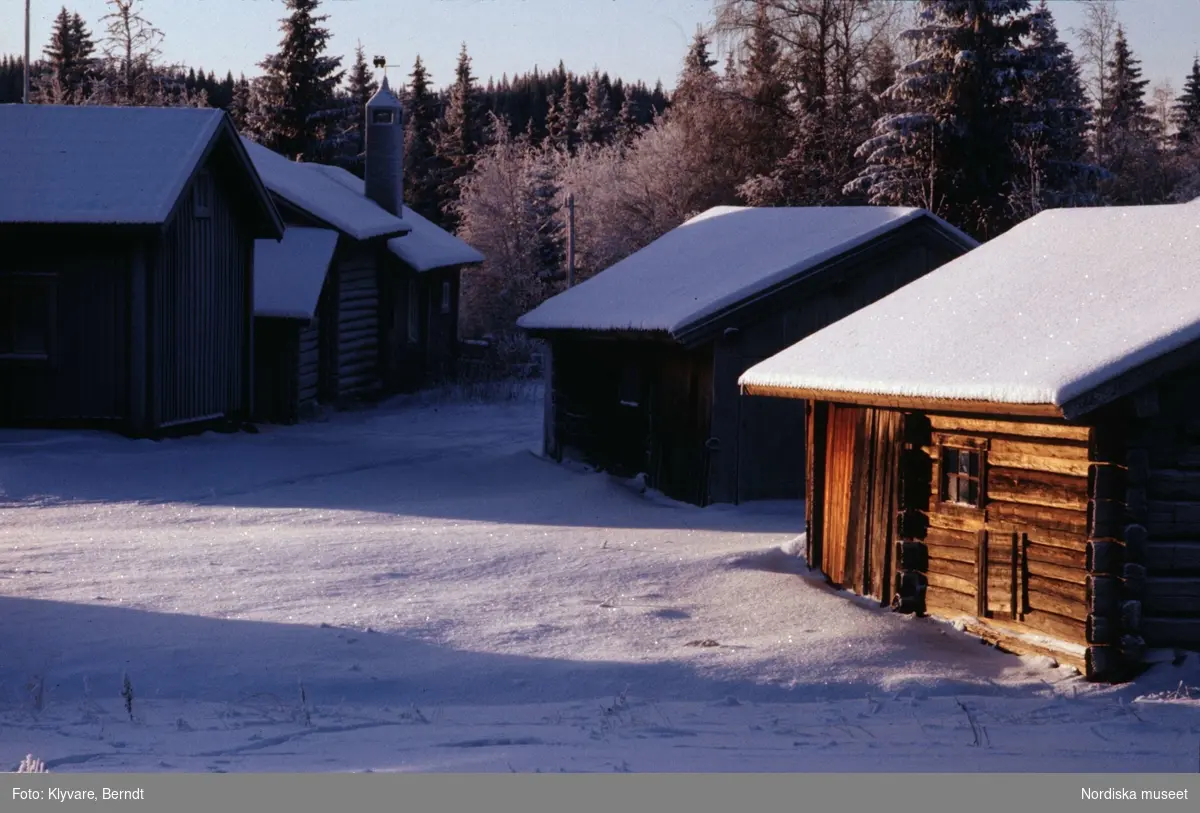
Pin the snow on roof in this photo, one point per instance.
(427, 246)
(289, 274)
(92, 164)
(318, 195)
(714, 261)
(1048, 311)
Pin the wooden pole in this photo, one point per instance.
(25, 97)
(570, 239)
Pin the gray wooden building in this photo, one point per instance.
(385, 317)
(126, 288)
(1013, 441)
(644, 358)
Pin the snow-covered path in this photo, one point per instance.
(410, 588)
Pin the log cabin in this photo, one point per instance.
(385, 317)
(643, 358)
(1013, 441)
(126, 284)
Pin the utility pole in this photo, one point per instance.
(25, 97)
(570, 239)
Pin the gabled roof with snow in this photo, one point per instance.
(428, 246)
(289, 274)
(1042, 315)
(715, 261)
(318, 195)
(106, 165)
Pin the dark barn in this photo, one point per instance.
(386, 314)
(644, 358)
(1014, 440)
(126, 284)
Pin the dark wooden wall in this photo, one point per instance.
(86, 378)
(633, 407)
(761, 441)
(200, 319)
(357, 267)
(429, 355)
(1157, 432)
(277, 376)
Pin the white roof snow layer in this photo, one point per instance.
(427, 246)
(713, 261)
(320, 196)
(289, 274)
(1048, 311)
(85, 164)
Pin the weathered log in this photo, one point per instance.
(947, 602)
(1063, 557)
(1066, 629)
(1132, 648)
(1174, 484)
(941, 517)
(1103, 556)
(1056, 598)
(1136, 503)
(1136, 538)
(947, 582)
(1103, 593)
(1100, 629)
(1174, 519)
(1038, 488)
(1033, 462)
(1145, 402)
(1075, 575)
(1134, 580)
(1170, 632)
(1106, 517)
(1172, 556)
(946, 538)
(1138, 467)
(1032, 429)
(1131, 616)
(950, 567)
(1100, 663)
(955, 554)
(1030, 518)
(912, 555)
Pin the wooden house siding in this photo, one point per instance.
(310, 365)
(85, 380)
(200, 294)
(358, 373)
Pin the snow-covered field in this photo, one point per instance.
(413, 589)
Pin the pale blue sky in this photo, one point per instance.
(634, 39)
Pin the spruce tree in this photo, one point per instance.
(294, 111)
(1052, 138)
(950, 148)
(420, 162)
(764, 93)
(1186, 112)
(1131, 151)
(459, 137)
(360, 87)
(69, 59)
(628, 124)
(596, 124)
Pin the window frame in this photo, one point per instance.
(47, 281)
(390, 116)
(977, 467)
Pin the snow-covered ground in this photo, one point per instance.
(413, 589)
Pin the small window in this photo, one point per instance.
(26, 317)
(383, 117)
(446, 296)
(202, 194)
(961, 478)
(414, 311)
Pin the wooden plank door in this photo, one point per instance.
(842, 428)
(1001, 590)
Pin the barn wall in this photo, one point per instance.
(429, 353)
(357, 267)
(1020, 561)
(276, 370)
(200, 300)
(761, 440)
(85, 380)
(307, 387)
(1160, 436)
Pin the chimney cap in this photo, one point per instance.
(384, 97)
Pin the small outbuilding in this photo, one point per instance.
(126, 288)
(1014, 439)
(384, 318)
(643, 359)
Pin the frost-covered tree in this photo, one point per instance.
(294, 110)
(421, 175)
(239, 108)
(764, 124)
(950, 149)
(1186, 112)
(459, 136)
(629, 125)
(1131, 135)
(1052, 137)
